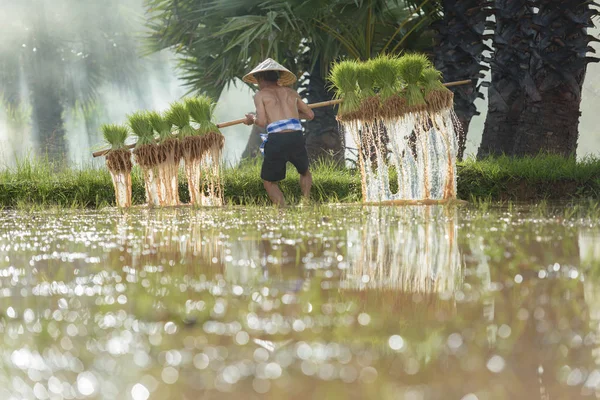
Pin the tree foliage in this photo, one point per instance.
(218, 41)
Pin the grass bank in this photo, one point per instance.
(34, 183)
(544, 177)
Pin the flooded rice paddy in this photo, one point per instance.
(315, 303)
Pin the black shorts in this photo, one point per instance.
(280, 148)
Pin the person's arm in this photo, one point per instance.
(304, 111)
(260, 117)
(261, 113)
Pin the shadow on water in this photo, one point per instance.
(425, 302)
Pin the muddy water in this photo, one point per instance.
(334, 302)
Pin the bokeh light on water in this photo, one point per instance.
(348, 302)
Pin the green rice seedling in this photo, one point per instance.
(115, 135)
(344, 77)
(370, 104)
(364, 78)
(160, 125)
(431, 79)
(410, 68)
(201, 110)
(386, 75)
(179, 116)
(437, 96)
(141, 127)
(389, 86)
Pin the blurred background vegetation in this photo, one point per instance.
(68, 66)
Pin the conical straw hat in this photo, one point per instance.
(286, 77)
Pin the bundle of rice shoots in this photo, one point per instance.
(386, 75)
(146, 154)
(160, 124)
(201, 110)
(344, 77)
(118, 162)
(411, 66)
(388, 86)
(365, 80)
(410, 69)
(169, 151)
(204, 175)
(370, 104)
(145, 148)
(437, 96)
(193, 147)
(179, 116)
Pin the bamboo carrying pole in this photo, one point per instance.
(314, 105)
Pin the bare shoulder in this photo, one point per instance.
(291, 91)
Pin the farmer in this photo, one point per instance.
(279, 109)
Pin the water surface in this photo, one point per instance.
(330, 302)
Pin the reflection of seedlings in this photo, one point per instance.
(118, 162)
(589, 254)
(422, 259)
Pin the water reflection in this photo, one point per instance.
(422, 257)
(420, 302)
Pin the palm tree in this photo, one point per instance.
(556, 70)
(63, 55)
(218, 42)
(458, 54)
(505, 96)
(538, 69)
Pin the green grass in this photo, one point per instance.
(39, 184)
(548, 177)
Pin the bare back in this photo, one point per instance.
(279, 103)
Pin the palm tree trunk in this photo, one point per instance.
(44, 78)
(323, 137)
(556, 69)
(47, 113)
(550, 124)
(505, 95)
(458, 53)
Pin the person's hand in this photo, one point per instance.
(250, 118)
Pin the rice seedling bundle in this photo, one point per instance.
(388, 86)
(118, 162)
(208, 183)
(401, 117)
(370, 103)
(170, 150)
(160, 125)
(344, 77)
(195, 146)
(437, 96)
(146, 155)
(410, 67)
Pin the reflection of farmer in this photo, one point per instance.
(279, 109)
